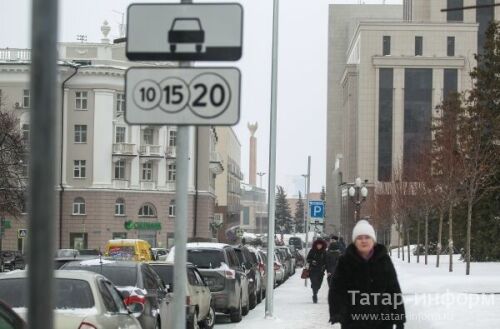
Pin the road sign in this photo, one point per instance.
(185, 32)
(183, 96)
(317, 210)
(22, 233)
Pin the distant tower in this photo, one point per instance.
(252, 177)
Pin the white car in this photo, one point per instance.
(82, 300)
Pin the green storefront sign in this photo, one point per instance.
(146, 226)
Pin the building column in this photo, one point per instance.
(103, 138)
(398, 118)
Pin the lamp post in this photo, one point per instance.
(260, 174)
(358, 193)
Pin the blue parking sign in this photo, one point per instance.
(316, 209)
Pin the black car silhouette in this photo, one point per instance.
(186, 30)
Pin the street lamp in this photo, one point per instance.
(358, 194)
(260, 174)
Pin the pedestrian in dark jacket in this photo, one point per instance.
(316, 259)
(365, 292)
(342, 245)
(332, 258)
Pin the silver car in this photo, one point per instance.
(82, 300)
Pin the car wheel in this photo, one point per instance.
(253, 300)
(209, 321)
(198, 48)
(194, 323)
(259, 297)
(236, 314)
(172, 48)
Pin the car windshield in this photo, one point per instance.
(205, 258)
(120, 275)
(166, 273)
(67, 253)
(186, 25)
(69, 293)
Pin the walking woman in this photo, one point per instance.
(365, 292)
(332, 258)
(316, 259)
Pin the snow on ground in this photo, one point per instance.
(434, 299)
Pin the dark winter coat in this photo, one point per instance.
(332, 257)
(366, 287)
(317, 264)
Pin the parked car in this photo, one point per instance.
(13, 260)
(59, 262)
(89, 253)
(287, 264)
(67, 253)
(199, 308)
(289, 258)
(10, 319)
(279, 269)
(296, 242)
(250, 266)
(82, 300)
(159, 253)
(261, 276)
(221, 270)
(128, 249)
(264, 271)
(137, 282)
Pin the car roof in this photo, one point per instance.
(207, 245)
(168, 263)
(103, 262)
(60, 274)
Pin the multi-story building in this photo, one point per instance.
(254, 217)
(389, 67)
(115, 180)
(227, 184)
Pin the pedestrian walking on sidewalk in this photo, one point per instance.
(365, 292)
(316, 260)
(332, 258)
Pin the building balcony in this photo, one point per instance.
(170, 185)
(124, 149)
(148, 185)
(121, 184)
(150, 150)
(216, 163)
(171, 152)
(15, 55)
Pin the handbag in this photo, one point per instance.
(305, 273)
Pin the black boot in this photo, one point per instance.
(315, 298)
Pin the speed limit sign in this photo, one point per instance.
(182, 96)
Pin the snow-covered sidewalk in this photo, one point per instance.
(293, 308)
(434, 299)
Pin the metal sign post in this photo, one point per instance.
(272, 167)
(43, 157)
(307, 216)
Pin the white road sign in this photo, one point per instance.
(185, 32)
(183, 96)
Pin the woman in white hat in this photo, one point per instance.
(365, 292)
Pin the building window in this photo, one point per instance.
(172, 138)
(171, 170)
(120, 102)
(246, 216)
(147, 171)
(147, 135)
(450, 46)
(80, 133)
(484, 16)
(1, 98)
(450, 81)
(81, 100)
(455, 15)
(171, 209)
(79, 206)
(26, 133)
(119, 235)
(147, 210)
(417, 121)
(26, 98)
(79, 168)
(120, 169)
(120, 134)
(419, 46)
(120, 207)
(385, 123)
(386, 45)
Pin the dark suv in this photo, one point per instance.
(251, 267)
(221, 270)
(137, 282)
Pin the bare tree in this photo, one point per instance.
(12, 165)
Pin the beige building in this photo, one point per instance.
(254, 216)
(115, 180)
(227, 185)
(386, 74)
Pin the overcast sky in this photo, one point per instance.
(302, 72)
